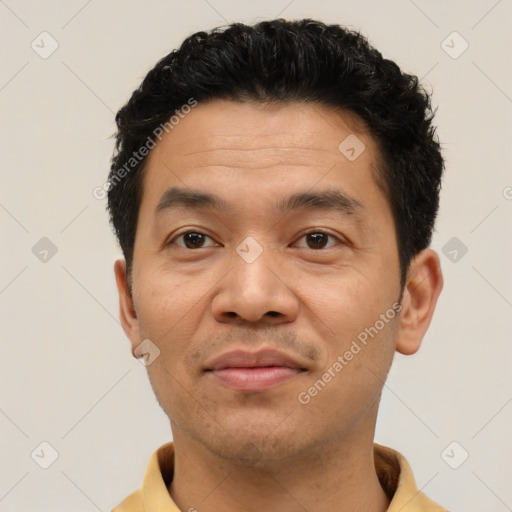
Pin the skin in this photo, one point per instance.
(265, 450)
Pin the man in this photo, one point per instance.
(274, 190)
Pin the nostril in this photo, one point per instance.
(273, 313)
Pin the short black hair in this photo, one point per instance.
(284, 61)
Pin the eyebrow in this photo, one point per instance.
(176, 197)
(329, 199)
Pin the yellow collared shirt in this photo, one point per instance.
(392, 468)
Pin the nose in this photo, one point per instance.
(254, 292)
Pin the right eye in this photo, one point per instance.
(192, 240)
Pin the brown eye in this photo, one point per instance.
(193, 240)
(317, 240)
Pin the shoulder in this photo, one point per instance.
(133, 503)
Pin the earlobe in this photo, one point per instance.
(127, 313)
(422, 289)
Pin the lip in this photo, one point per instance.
(254, 371)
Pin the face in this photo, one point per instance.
(266, 273)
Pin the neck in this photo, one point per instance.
(338, 476)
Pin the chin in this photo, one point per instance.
(253, 445)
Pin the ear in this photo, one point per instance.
(422, 288)
(127, 313)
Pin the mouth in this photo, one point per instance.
(254, 371)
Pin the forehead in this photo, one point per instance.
(230, 145)
(222, 124)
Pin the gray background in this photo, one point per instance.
(67, 374)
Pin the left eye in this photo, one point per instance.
(318, 240)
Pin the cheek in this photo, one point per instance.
(359, 345)
(351, 381)
(168, 310)
(343, 305)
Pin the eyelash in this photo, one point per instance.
(312, 232)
